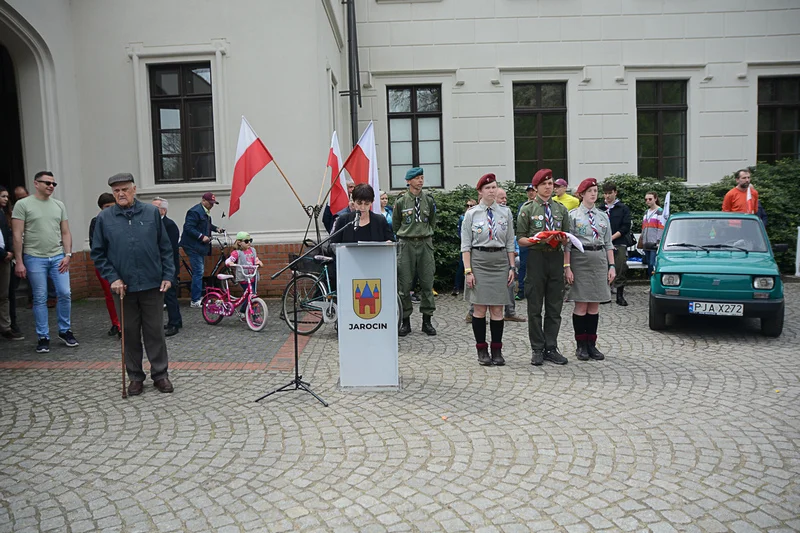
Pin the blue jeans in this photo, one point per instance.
(39, 270)
(650, 259)
(523, 269)
(198, 264)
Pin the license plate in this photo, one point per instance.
(713, 308)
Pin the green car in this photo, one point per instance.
(714, 263)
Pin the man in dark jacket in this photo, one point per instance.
(196, 241)
(620, 216)
(131, 250)
(6, 255)
(174, 320)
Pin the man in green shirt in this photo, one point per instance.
(544, 281)
(45, 252)
(413, 221)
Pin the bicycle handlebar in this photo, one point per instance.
(244, 268)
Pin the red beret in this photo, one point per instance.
(585, 184)
(485, 180)
(541, 175)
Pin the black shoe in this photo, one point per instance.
(113, 331)
(68, 338)
(405, 328)
(554, 356)
(594, 353)
(621, 297)
(497, 354)
(427, 327)
(15, 329)
(12, 335)
(43, 346)
(538, 357)
(454, 293)
(581, 352)
(484, 359)
(170, 331)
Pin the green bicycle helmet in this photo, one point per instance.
(242, 235)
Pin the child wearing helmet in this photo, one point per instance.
(244, 255)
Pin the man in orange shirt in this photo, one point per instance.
(743, 198)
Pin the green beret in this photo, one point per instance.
(413, 173)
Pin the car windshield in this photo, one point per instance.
(734, 234)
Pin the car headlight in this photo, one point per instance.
(763, 283)
(670, 280)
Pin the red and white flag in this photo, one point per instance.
(338, 199)
(251, 157)
(362, 164)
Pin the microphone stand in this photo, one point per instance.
(297, 382)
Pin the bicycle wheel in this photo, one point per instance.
(311, 302)
(212, 308)
(257, 314)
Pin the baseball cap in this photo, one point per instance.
(209, 197)
(561, 182)
(530, 187)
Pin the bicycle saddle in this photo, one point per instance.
(323, 259)
(224, 276)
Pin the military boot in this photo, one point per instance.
(582, 351)
(497, 354)
(427, 327)
(405, 328)
(594, 353)
(484, 359)
(621, 296)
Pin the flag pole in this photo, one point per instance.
(322, 186)
(334, 180)
(288, 183)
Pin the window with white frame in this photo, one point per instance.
(415, 133)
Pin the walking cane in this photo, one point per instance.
(122, 340)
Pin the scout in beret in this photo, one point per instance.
(544, 281)
(414, 221)
(487, 249)
(589, 273)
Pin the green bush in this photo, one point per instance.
(775, 184)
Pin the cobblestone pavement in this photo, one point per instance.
(692, 429)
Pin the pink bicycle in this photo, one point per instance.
(219, 303)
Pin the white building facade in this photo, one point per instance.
(688, 88)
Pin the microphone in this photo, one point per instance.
(356, 220)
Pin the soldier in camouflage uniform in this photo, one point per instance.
(413, 221)
(544, 280)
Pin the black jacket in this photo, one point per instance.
(174, 236)
(377, 230)
(8, 236)
(620, 217)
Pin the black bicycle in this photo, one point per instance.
(219, 267)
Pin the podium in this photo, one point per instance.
(367, 315)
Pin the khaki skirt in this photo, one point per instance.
(590, 269)
(490, 270)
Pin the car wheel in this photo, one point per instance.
(656, 320)
(772, 326)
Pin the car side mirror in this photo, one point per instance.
(780, 248)
(650, 246)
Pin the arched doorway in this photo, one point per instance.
(12, 168)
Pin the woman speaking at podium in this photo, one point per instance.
(371, 227)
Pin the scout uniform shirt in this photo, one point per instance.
(582, 228)
(475, 230)
(414, 216)
(532, 220)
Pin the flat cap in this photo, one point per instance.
(413, 173)
(561, 182)
(585, 184)
(122, 177)
(486, 179)
(541, 175)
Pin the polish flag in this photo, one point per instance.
(362, 164)
(251, 157)
(338, 199)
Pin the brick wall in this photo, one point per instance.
(274, 256)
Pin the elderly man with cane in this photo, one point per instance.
(132, 251)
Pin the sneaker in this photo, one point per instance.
(68, 338)
(43, 346)
(113, 331)
(12, 335)
(415, 299)
(197, 304)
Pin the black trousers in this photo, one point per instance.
(143, 320)
(173, 309)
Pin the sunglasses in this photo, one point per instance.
(48, 183)
(248, 241)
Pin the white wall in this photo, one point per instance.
(600, 47)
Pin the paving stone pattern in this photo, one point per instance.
(692, 429)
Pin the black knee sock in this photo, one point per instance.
(479, 329)
(579, 325)
(496, 327)
(591, 325)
